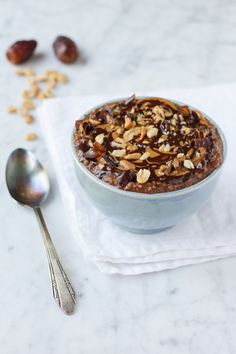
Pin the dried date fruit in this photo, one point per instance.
(21, 51)
(65, 49)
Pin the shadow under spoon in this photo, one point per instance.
(28, 184)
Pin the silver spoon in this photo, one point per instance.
(28, 184)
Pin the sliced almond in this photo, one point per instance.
(127, 165)
(99, 138)
(138, 130)
(176, 163)
(190, 153)
(161, 170)
(162, 138)
(180, 155)
(133, 156)
(143, 176)
(119, 140)
(128, 123)
(168, 113)
(173, 121)
(164, 148)
(188, 164)
(114, 135)
(118, 153)
(28, 119)
(93, 121)
(144, 156)
(107, 127)
(152, 153)
(131, 147)
(120, 130)
(157, 110)
(185, 130)
(142, 133)
(179, 172)
(152, 132)
(118, 145)
(128, 135)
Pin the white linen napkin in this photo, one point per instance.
(208, 235)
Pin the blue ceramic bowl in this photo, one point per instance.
(142, 212)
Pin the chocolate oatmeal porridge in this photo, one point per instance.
(148, 145)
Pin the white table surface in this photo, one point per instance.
(126, 45)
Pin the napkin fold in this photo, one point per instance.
(206, 236)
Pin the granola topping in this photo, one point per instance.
(148, 145)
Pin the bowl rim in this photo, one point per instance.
(150, 196)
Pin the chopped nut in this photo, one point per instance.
(173, 122)
(144, 156)
(114, 135)
(188, 164)
(41, 78)
(51, 83)
(159, 112)
(152, 153)
(152, 132)
(133, 156)
(62, 77)
(131, 147)
(162, 138)
(94, 122)
(34, 90)
(142, 133)
(118, 145)
(180, 155)
(99, 138)
(11, 109)
(189, 153)
(164, 148)
(40, 95)
(176, 163)
(28, 119)
(47, 94)
(161, 170)
(185, 130)
(28, 104)
(128, 123)
(118, 153)
(128, 135)
(178, 173)
(26, 94)
(168, 113)
(143, 176)
(127, 165)
(21, 111)
(31, 136)
(26, 72)
(32, 80)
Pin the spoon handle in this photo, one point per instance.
(61, 287)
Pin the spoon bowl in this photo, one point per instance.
(26, 179)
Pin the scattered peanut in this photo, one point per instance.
(31, 136)
(143, 176)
